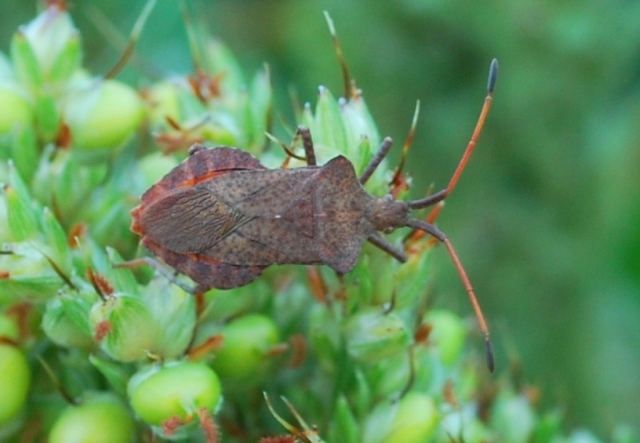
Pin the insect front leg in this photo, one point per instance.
(307, 142)
(376, 160)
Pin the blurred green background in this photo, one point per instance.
(546, 218)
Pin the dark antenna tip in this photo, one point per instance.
(491, 364)
(493, 75)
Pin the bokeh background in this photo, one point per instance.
(546, 218)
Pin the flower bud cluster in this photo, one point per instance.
(93, 345)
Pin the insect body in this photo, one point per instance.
(221, 217)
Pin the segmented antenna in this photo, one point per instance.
(441, 195)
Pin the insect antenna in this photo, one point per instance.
(438, 234)
(441, 195)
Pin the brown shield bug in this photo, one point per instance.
(221, 217)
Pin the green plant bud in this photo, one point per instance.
(5, 231)
(25, 151)
(344, 426)
(68, 61)
(54, 43)
(108, 214)
(191, 109)
(174, 312)
(55, 239)
(328, 127)
(122, 278)
(362, 135)
(25, 62)
(360, 282)
(14, 382)
(16, 109)
(306, 118)
(243, 354)
(261, 93)
(174, 390)
(411, 278)
(325, 336)
(162, 101)
(100, 418)
(413, 419)
(124, 326)
(512, 418)
(47, 117)
(389, 377)
(102, 115)
(359, 123)
(236, 302)
(463, 424)
(22, 216)
(447, 335)
(154, 166)
(362, 395)
(8, 328)
(31, 276)
(218, 59)
(223, 128)
(63, 183)
(373, 336)
(381, 275)
(66, 320)
(116, 374)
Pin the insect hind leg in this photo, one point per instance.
(384, 244)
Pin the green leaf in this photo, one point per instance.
(261, 104)
(25, 62)
(56, 241)
(68, 60)
(77, 306)
(344, 426)
(24, 151)
(329, 126)
(21, 213)
(47, 116)
(22, 288)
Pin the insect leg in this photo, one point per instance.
(307, 143)
(163, 270)
(439, 196)
(386, 246)
(438, 234)
(376, 160)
